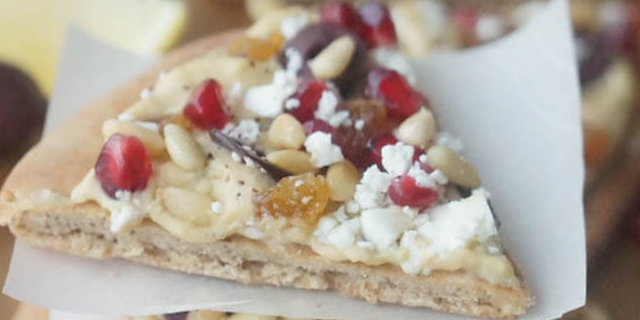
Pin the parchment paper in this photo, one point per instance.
(515, 104)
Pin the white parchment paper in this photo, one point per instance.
(515, 104)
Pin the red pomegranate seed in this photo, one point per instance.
(309, 93)
(375, 147)
(404, 191)
(400, 99)
(205, 108)
(314, 125)
(343, 13)
(123, 164)
(465, 19)
(381, 30)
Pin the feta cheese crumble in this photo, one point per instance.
(397, 158)
(246, 131)
(327, 109)
(395, 60)
(217, 207)
(290, 26)
(455, 224)
(323, 152)
(370, 191)
(383, 226)
(268, 100)
(447, 140)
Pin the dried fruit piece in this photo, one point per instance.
(379, 26)
(256, 49)
(398, 95)
(370, 119)
(301, 199)
(404, 191)
(206, 106)
(123, 164)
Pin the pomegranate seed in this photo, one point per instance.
(123, 164)
(375, 148)
(314, 125)
(465, 19)
(404, 191)
(343, 13)
(381, 30)
(400, 99)
(205, 108)
(309, 93)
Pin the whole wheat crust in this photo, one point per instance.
(64, 156)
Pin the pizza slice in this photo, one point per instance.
(294, 158)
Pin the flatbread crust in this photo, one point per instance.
(65, 155)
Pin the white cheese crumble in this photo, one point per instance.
(383, 226)
(359, 124)
(422, 178)
(291, 103)
(217, 207)
(246, 131)
(396, 60)
(145, 93)
(447, 140)
(370, 191)
(396, 159)
(126, 214)
(268, 100)
(236, 157)
(323, 152)
(327, 109)
(343, 234)
(253, 233)
(489, 27)
(439, 177)
(235, 94)
(352, 207)
(455, 224)
(290, 26)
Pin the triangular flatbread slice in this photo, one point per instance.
(215, 205)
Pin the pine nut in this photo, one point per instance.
(286, 132)
(418, 129)
(182, 148)
(170, 174)
(188, 205)
(151, 139)
(456, 168)
(413, 35)
(293, 161)
(342, 178)
(333, 59)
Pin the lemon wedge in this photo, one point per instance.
(32, 31)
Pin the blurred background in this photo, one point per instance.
(607, 37)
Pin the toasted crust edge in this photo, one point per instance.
(83, 229)
(253, 262)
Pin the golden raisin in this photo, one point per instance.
(256, 49)
(302, 199)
